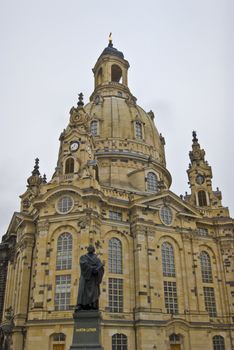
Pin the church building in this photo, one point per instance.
(169, 270)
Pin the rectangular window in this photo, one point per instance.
(115, 295)
(202, 231)
(64, 260)
(210, 304)
(115, 215)
(62, 292)
(94, 127)
(138, 128)
(170, 296)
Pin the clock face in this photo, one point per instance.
(74, 145)
(200, 179)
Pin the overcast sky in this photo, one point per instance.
(181, 67)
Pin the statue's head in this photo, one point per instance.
(91, 249)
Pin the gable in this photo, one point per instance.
(155, 201)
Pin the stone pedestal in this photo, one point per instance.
(86, 334)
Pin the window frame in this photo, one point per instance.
(166, 215)
(118, 340)
(115, 295)
(206, 267)
(139, 133)
(115, 215)
(202, 231)
(115, 256)
(170, 297)
(220, 343)
(96, 128)
(168, 260)
(61, 208)
(152, 181)
(210, 302)
(64, 251)
(62, 298)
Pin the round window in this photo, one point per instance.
(166, 215)
(65, 204)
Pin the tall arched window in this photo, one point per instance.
(119, 342)
(168, 263)
(138, 130)
(152, 182)
(202, 202)
(64, 252)
(206, 267)
(69, 166)
(218, 343)
(94, 127)
(116, 73)
(115, 256)
(99, 76)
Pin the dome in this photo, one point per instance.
(117, 118)
(127, 143)
(110, 50)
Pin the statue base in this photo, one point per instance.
(86, 334)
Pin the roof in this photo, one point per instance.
(111, 50)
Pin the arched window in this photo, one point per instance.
(115, 256)
(116, 73)
(64, 252)
(152, 182)
(119, 342)
(58, 341)
(138, 130)
(94, 127)
(202, 202)
(99, 76)
(168, 263)
(69, 166)
(206, 267)
(218, 343)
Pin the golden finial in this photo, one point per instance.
(110, 40)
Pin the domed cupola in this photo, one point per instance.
(111, 73)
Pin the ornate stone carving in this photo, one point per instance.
(78, 117)
(42, 227)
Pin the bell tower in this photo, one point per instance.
(200, 181)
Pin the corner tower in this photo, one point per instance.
(200, 181)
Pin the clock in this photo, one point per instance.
(200, 179)
(74, 145)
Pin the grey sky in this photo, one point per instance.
(181, 67)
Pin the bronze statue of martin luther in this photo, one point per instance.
(91, 273)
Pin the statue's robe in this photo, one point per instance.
(91, 273)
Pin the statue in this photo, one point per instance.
(91, 273)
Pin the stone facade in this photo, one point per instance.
(168, 280)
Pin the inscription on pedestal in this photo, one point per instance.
(86, 333)
(86, 330)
